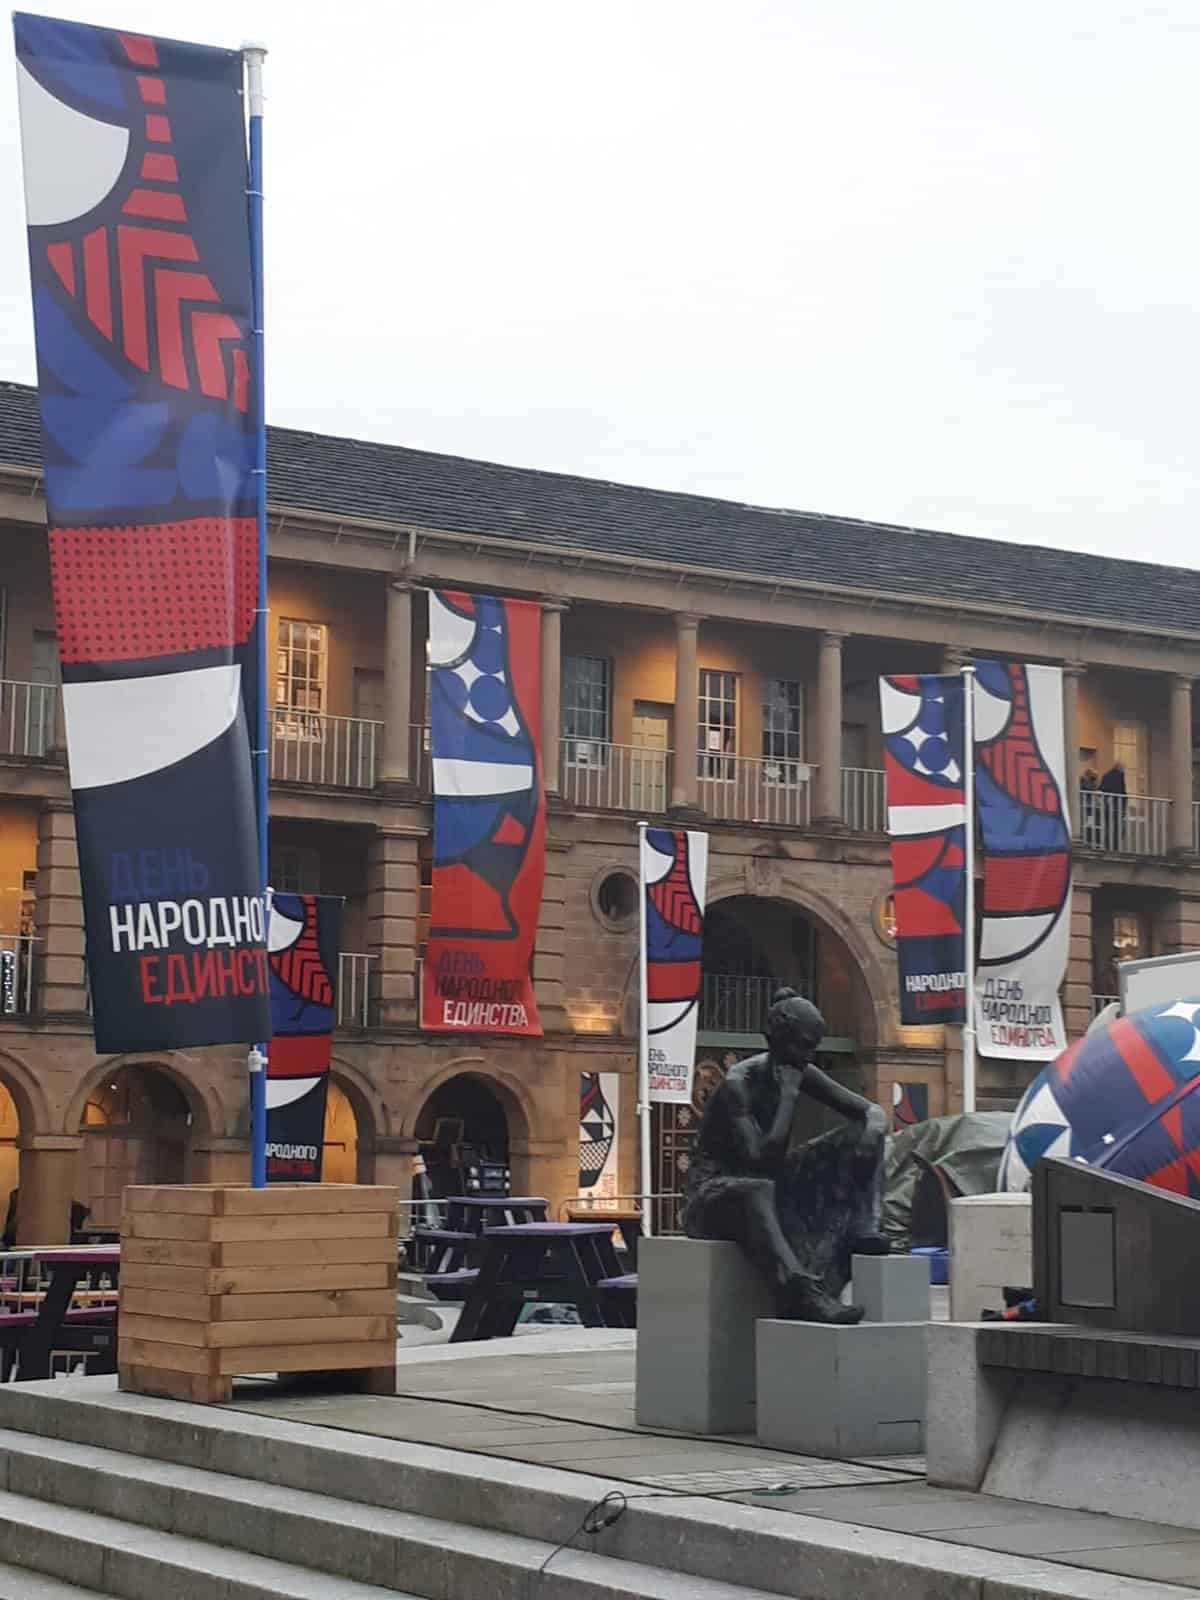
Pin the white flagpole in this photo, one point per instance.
(968, 1031)
(643, 1097)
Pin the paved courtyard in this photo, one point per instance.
(565, 1400)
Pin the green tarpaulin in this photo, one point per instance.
(965, 1149)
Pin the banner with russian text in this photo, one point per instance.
(489, 814)
(303, 937)
(674, 878)
(1020, 784)
(135, 194)
(922, 719)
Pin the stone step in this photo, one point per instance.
(131, 1562)
(387, 1551)
(19, 1583)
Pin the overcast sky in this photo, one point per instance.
(926, 261)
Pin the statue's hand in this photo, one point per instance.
(789, 1076)
(874, 1124)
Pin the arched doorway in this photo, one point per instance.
(10, 1162)
(137, 1129)
(463, 1133)
(752, 945)
(340, 1156)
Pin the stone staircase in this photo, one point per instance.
(110, 1495)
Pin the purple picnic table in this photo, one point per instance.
(559, 1261)
(55, 1326)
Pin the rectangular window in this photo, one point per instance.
(1131, 747)
(782, 728)
(301, 678)
(716, 730)
(296, 869)
(587, 710)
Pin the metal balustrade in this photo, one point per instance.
(1099, 1001)
(596, 775)
(337, 752)
(1120, 824)
(354, 989)
(864, 803)
(28, 712)
(17, 959)
(773, 791)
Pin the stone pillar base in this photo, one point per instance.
(891, 1288)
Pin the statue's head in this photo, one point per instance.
(794, 1026)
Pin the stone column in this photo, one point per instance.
(1072, 673)
(216, 1160)
(954, 657)
(58, 914)
(1080, 975)
(552, 611)
(1178, 925)
(393, 888)
(394, 1164)
(397, 684)
(1180, 837)
(685, 788)
(47, 1178)
(829, 729)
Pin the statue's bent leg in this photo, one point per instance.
(743, 1210)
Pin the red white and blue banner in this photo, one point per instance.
(304, 936)
(489, 814)
(135, 190)
(922, 717)
(1020, 784)
(674, 879)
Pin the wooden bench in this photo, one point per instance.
(1067, 1351)
(618, 1296)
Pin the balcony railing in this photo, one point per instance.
(735, 1004)
(864, 805)
(1119, 824)
(338, 752)
(27, 713)
(354, 989)
(17, 952)
(753, 789)
(598, 776)
(1099, 1001)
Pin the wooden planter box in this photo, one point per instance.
(223, 1281)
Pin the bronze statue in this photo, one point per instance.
(799, 1214)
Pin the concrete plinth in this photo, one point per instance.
(698, 1302)
(841, 1392)
(990, 1249)
(891, 1288)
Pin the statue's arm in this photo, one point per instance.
(762, 1152)
(836, 1096)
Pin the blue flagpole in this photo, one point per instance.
(257, 1061)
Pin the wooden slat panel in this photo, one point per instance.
(170, 1357)
(329, 1225)
(311, 1198)
(301, 1330)
(193, 1387)
(184, 1198)
(255, 1280)
(314, 1303)
(165, 1330)
(306, 1358)
(266, 1252)
(170, 1252)
(137, 1302)
(167, 1225)
(164, 1279)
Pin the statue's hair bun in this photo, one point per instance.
(784, 993)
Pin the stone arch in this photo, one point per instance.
(508, 1087)
(29, 1097)
(208, 1118)
(783, 888)
(371, 1120)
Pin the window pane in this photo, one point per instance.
(586, 703)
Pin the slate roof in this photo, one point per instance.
(389, 483)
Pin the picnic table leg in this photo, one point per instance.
(475, 1306)
(587, 1302)
(33, 1355)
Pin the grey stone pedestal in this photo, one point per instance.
(842, 1392)
(891, 1288)
(698, 1303)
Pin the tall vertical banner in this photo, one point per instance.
(135, 191)
(599, 1099)
(489, 814)
(674, 876)
(1020, 785)
(922, 718)
(304, 936)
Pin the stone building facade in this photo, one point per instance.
(701, 660)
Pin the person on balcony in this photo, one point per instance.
(1114, 806)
